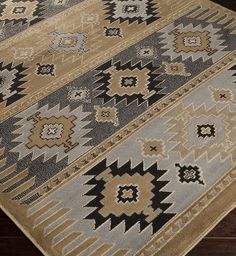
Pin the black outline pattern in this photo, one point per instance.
(150, 9)
(154, 84)
(158, 196)
(17, 82)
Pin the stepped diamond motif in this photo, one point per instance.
(130, 82)
(52, 132)
(144, 11)
(128, 194)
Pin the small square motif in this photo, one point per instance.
(19, 10)
(68, 42)
(192, 41)
(128, 81)
(112, 32)
(130, 8)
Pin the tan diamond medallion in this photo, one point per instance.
(52, 131)
(19, 10)
(193, 42)
(141, 203)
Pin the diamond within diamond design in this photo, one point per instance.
(112, 32)
(144, 11)
(192, 41)
(199, 130)
(68, 42)
(188, 174)
(45, 69)
(21, 11)
(107, 115)
(52, 132)
(127, 81)
(127, 194)
(206, 130)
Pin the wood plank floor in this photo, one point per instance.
(219, 242)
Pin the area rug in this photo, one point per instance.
(118, 123)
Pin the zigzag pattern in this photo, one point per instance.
(234, 74)
(210, 14)
(169, 38)
(179, 137)
(12, 182)
(97, 195)
(14, 87)
(80, 129)
(36, 13)
(154, 85)
(69, 233)
(148, 17)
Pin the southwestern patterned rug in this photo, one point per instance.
(118, 123)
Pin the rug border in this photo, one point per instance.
(187, 232)
(210, 207)
(193, 210)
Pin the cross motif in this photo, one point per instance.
(146, 52)
(192, 41)
(222, 95)
(153, 148)
(130, 8)
(52, 130)
(128, 81)
(78, 94)
(189, 174)
(105, 113)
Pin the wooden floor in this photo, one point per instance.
(220, 242)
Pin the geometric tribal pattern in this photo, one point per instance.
(131, 82)
(189, 174)
(200, 130)
(192, 42)
(192, 139)
(128, 194)
(112, 94)
(18, 15)
(67, 42)
(131, 11)
(51, 132)
(29, 11)
(117, 122)
(11, 82)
